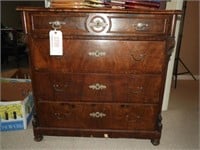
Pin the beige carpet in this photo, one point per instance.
(180, 130)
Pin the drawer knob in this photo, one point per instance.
(97, 87)
(141, 26)
(97, 115)
(57, 24)
(97, 53)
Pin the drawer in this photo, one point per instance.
(97, 87)
(141, 25)
(101, 56)
(80, 87)
(70, 23)
(97, 116)
(100, 24)
(144, 88)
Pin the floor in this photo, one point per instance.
(180, 130)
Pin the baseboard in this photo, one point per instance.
(187, 77)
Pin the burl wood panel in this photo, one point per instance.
(77, 87)
(114, 56)
(80, 115)
(118, 24)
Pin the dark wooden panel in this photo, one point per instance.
(89, 87)
(147, 25)
(42, 87)
(146, 88)
(97, 116)
(111, 56)
(74, 23)
(98, 87)
(102, 24)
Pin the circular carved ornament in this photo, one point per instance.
(97, 24)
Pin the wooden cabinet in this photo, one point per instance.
(110, 78)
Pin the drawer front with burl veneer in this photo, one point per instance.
(97, 116)
(97, 87)
(99, 24)
(101, 56)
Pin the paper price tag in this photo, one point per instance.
(56, 43)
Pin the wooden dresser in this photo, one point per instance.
(110, 80)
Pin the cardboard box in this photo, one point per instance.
(16, 105)
(16, 75)
(16, 115)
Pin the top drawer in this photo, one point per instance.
(99, 24)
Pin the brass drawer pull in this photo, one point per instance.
(97, 115)
(141, 26)
(97, 87)
(57, 24)
(97, 54)
(61, 116)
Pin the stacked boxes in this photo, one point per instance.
(16, 105)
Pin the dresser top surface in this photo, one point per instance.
(99, 10)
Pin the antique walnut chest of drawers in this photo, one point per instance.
(109, 82)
